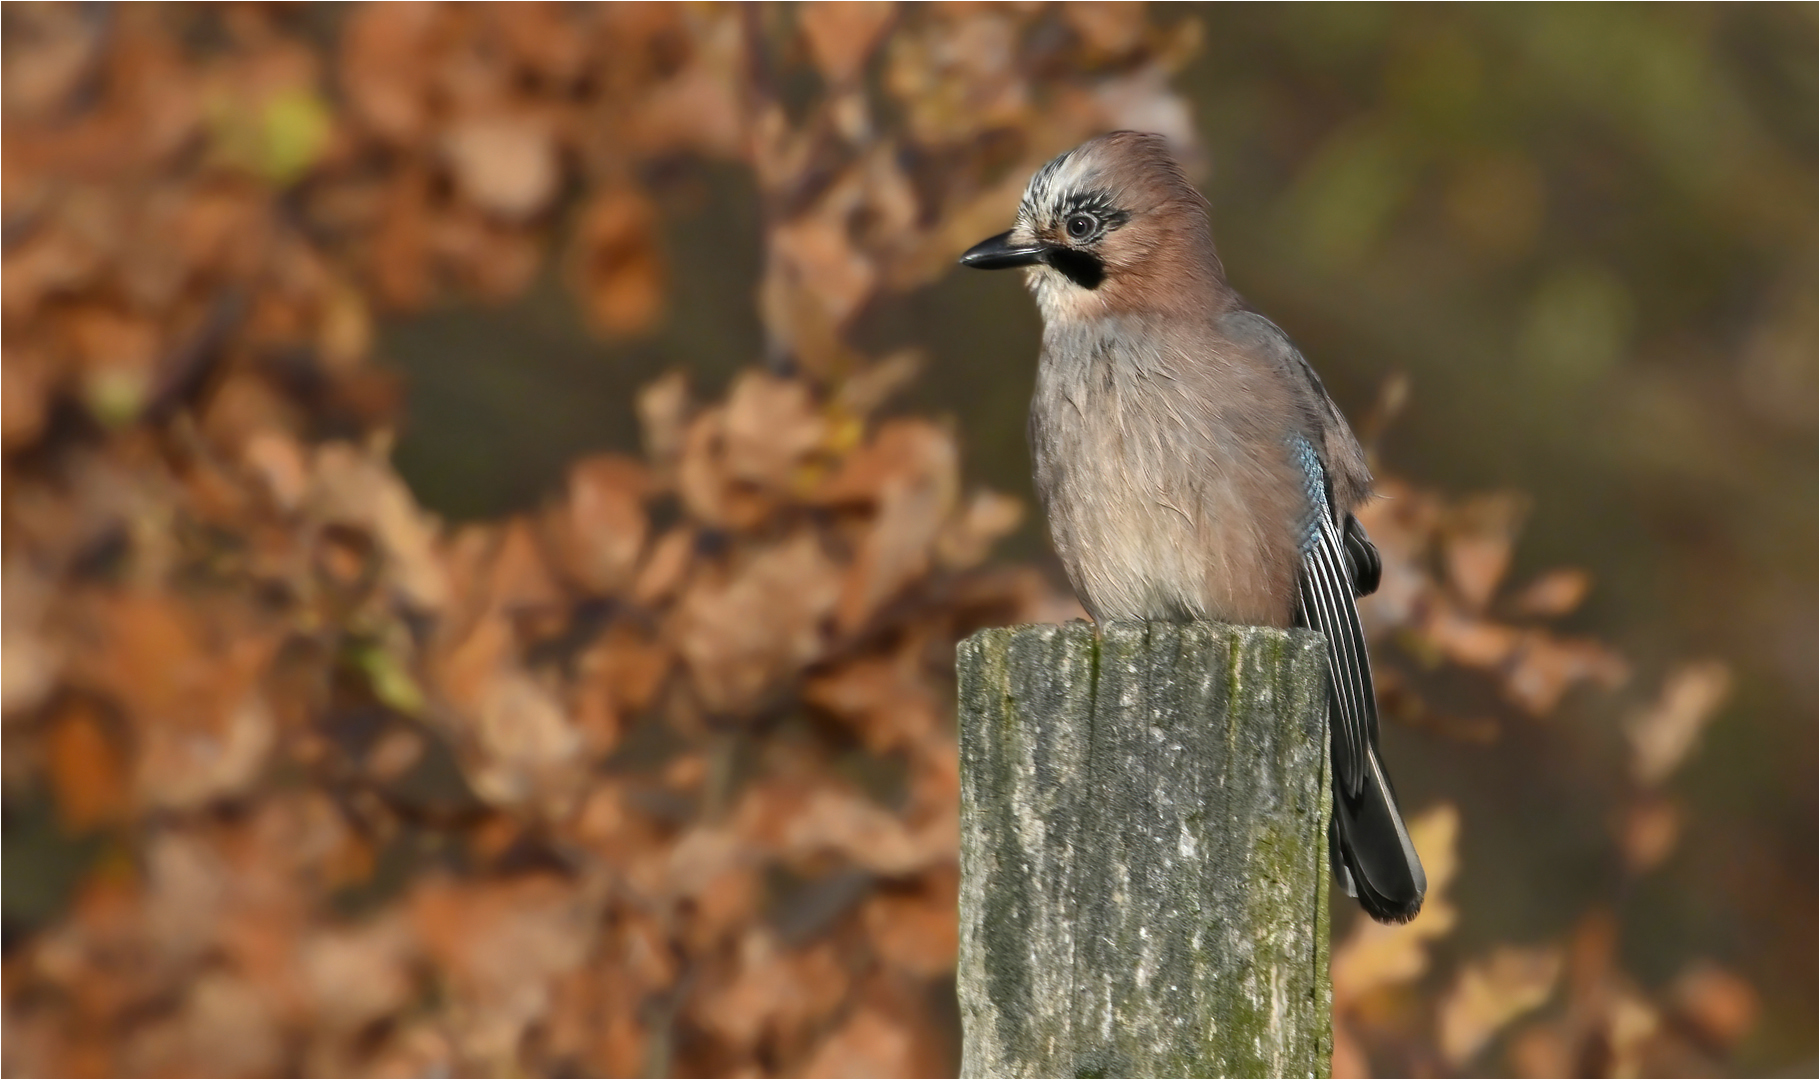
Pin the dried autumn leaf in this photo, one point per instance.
(700, 109)
(1591, 954)
(843, 34)
(630, 665)
(52, 262)
(1718, 1002)
(189, 688)
(507, 165)
(466, 555)
(802, 324)
(276, 459)
(360, 489)
(870, 1043)
(867, 835)
(704, 106)
(59, 45)
(500, 945)
(725, 905)
(26, 377)
(401, 241)
(598, 721)
(863, 391)
(887, 213)
(705, 854)
(663, 414)
(88, 772)
(1664, 734)
(1469, 641)
(396, 752)
(386, 67)
(188, 887)
(223, 1026)
(518, 577)
(1541, 1051)
(773, 991)
(418, 1047)
(1647, 833)
(344, 331)
(1480, 533)
(242, 407)
(1544, 668)
(912, 934)
(355, 975)
(1630, 1023)
(707, 485)
(31, 662)
(615, 264)
(524, 748)
(771, 427)
(602, 527)
(544, 40)
(490, 258)
(910, 473)
(1107, 28)
(665, 568)
(962, 78)
(988, 518)
(885, 699)
(739, 633)
(815, 256)
(1554, 593)
(1490, 993)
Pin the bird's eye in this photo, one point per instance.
(1080, 226)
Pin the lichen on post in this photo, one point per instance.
(1143, 851)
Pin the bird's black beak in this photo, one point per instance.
(998, 254)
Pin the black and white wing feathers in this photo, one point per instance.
(1373, 856)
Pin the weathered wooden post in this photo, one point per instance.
(1143, 852)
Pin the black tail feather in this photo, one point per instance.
(1373, 858)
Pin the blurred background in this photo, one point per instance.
(491, 494)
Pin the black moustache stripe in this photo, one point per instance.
(1080, 267)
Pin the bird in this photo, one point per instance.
(1191, 463)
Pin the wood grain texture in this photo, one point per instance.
(1143, 851)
